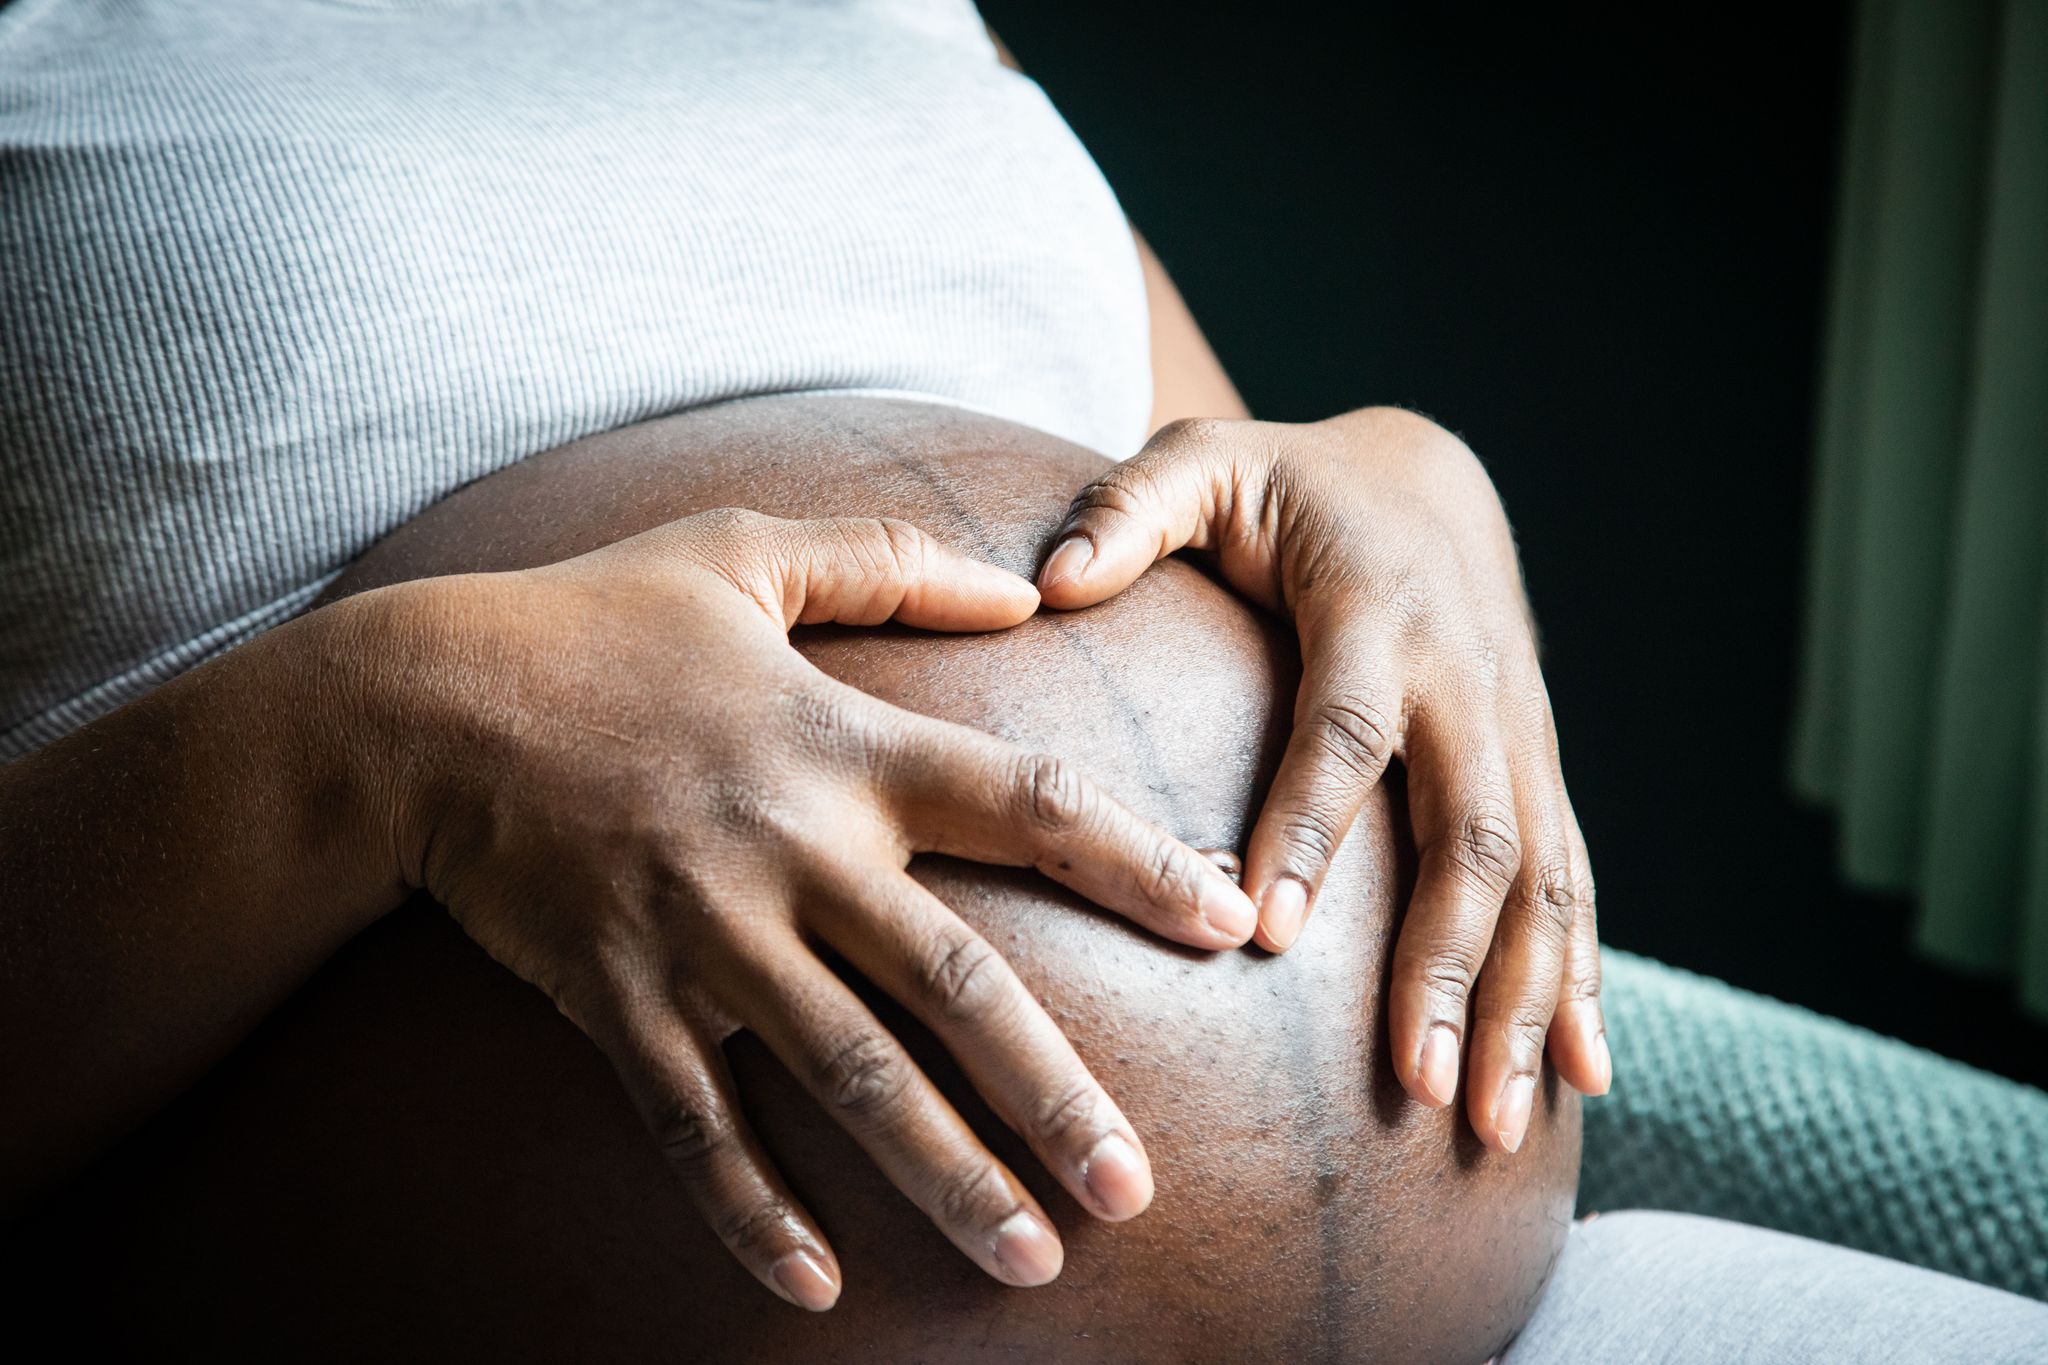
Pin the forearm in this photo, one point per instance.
(1187, 378)
(171, 872)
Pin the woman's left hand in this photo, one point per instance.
(1379, 535)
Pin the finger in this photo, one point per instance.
(1578, 1035)
(1519, 982)
(872, 1088)
(861, 571)
(1346, 730)
(1469, 855)
(1171, 494)
(680, 1083)
(967, 794)
(905, 940)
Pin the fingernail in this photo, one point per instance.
(1226, 909)
(1011, 589)
(1511, 1115)
(1281, 911)
(1027, 1251)
(1117, 1178)
(1069, 559)
(1438, 1066)
(1606, 1062)
(803, 1281)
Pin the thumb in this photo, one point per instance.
(1172, 494)
(861, 571)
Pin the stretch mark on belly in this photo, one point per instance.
(973, 530)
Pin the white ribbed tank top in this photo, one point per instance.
(277, 274)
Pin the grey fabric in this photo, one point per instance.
(1675, 1288)
(277, 274)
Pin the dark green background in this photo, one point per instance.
(1594, 244)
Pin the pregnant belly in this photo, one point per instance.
(417, 1158)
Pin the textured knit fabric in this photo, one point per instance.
(1729, 1104)
(1679, 1290)
(277, 274)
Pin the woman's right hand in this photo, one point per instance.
(630, 788)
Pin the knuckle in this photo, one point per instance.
(1446, 977)
(1486, 849)
(1441, 975)
(734, 525)
(734, 806)
(826, 721)
(739, 817)
(753, 1231)
(1057, 800)
(864, 1078)
(1489, 668)
(1356, 733)
(1169, 878)
(973, 1195)
(1553, 899)
(961, 975)
(909, 547)
(1121, 489)
(1413, 599)
(1522, 1025)
(1527, 1028)
(692, 1133)
(1309, 838)
(1072, 1117)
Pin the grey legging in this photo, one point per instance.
(1676, 1288)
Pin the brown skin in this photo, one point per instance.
(419, 1158)
(148, 860)
(1379, 536)
(630, 790)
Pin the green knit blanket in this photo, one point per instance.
(1738, 1106)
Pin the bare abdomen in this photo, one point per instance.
(419, 1159)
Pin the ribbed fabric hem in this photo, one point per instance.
(68, 715)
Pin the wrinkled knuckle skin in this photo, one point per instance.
(1527, 1028)
(863, 1079)
(1071, 1119)
(1446, 983)
(825, 722)
(1357, 734)
(755, 1232)
(1485, 848)
(734, 526)
(731, 807)
(1554, 900)
(961, 976)
(1169, 879)
(1489, 668)
(1583, 989)
(693, 1135)
(1522, 1025)
(1057, 800)
(1309, 839)
(1582, 978)
(907, 545)
(973, 1196)
(1117, 491)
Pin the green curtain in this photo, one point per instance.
(1923, 708)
